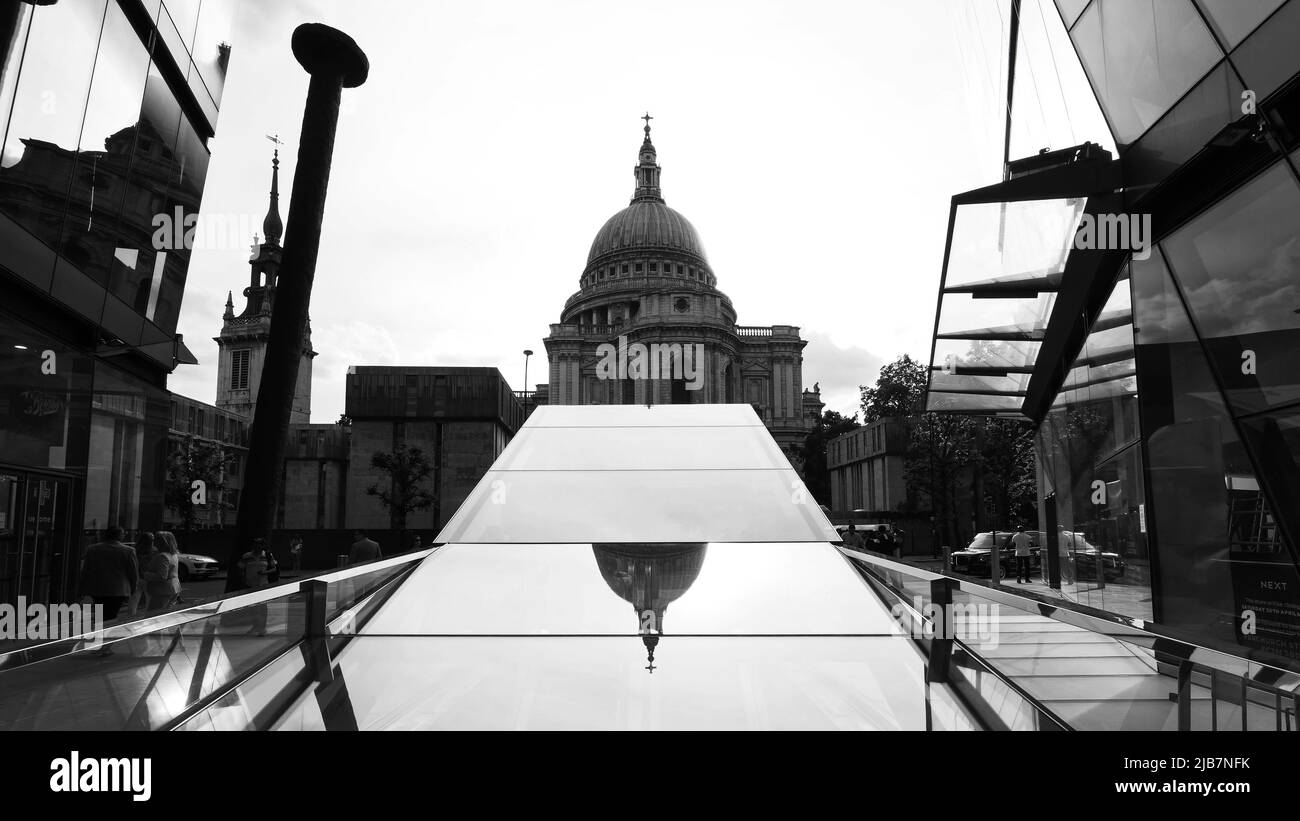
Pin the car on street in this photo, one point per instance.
(192, 565)
(974, 560)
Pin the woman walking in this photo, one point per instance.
(163, 584)
(144, 548)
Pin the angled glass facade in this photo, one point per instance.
(106, 107)
(1158, 356)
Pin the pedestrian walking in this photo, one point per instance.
(295, 553)
(163, 584)
(363, 549)
(255, 569)
(110, 573)
(144, 547)
(1021, 542)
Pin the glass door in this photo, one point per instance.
(10, 535)
(34, 521)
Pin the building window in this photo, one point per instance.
(639, 267)
(239, 370)
(625, 268)
(654, 267)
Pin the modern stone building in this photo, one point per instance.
(647, 282)
(460, 418)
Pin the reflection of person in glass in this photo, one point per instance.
(1021, 544)
(650, 576)
(256, 572)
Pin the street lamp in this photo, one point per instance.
(527, 353)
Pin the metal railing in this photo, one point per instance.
(1268, 693)
(191, 657)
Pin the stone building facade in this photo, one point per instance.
(648, 294)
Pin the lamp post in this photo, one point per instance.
(527, 353)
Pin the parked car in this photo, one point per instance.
(197, 566)
(192, 565)
(1084, 554)
(974, 560)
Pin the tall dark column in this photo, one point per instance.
(334, 62)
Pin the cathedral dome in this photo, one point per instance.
(646, 224)
(648, 227)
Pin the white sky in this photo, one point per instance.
(814, 145)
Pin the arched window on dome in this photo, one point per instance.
(625, 269)
(654, 267)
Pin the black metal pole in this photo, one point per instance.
(334, 62)
(1013, 38)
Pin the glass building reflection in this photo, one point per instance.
(106, 109)
(1162, 380)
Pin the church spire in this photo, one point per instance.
(271, 226)
(230, 305)
(647, 169)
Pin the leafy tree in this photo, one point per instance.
(899, 390)
(193, 459)
(407, 470)
(938, 466)
(1005, 456)
(816, 474)
(987, 459)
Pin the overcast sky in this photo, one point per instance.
(814, 145)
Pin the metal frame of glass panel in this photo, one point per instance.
(1007, 253)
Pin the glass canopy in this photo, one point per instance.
(1004, 266)
(610, 473)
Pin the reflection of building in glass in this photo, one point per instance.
(102, 135)
(648, 282)
(1161, 373)
(649, 577)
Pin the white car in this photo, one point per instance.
(197, 566)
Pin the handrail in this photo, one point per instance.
(1120, 627)
(192, 710)
(968, 699)
(174, 618)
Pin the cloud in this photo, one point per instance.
(839, 370)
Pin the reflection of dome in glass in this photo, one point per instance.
(650, 576)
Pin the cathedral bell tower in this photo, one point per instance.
(244, 337)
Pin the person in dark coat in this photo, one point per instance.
(110, 573)
(363, 549)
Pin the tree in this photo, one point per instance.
(816, 474)
(899, 390)
(1005, 454)
(407, 469)
(938, 464)
(196, 460)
